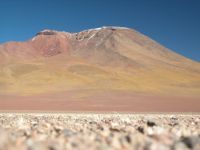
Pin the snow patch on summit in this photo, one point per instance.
(33, 39)
(109, 27)
(106, 27)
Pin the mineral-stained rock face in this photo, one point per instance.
(102, 61)
(49, 43)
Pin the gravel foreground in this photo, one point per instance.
(21, 131)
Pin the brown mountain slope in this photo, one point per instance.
(95, 64)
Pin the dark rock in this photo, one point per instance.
(128, 138)
(141, 130)
(114, 130)
(54, 146)
(190, 142)
(173, 124)
(174, 118)
(58, 130)
(151, 123)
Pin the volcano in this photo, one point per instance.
(102, 69)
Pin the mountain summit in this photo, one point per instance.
(102, 62)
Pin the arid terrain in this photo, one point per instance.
(48, 131)
(106, 102)
(107, 68)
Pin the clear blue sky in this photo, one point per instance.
(173, 23)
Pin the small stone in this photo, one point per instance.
(150, 131)
(54, 146)
(68, 133)
(98, 138)
(190, 142)
(173, 118)
(180, 146)
(114, 124)
(21, 123)
(34, 123)
(128, 138)
(140, 129)
(114, 130)
(58, 129)
(27, 133)
(73, 144)
(151, 123)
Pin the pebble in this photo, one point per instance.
(190, 142)
(140, 129)
(68, 133)
(99, 131)
(151, 123)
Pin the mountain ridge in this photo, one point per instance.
(101, 59)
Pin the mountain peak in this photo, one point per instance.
(54, 32)
(47, 32)
(108, 58)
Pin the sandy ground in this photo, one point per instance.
(121, 102)
(51, 131)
